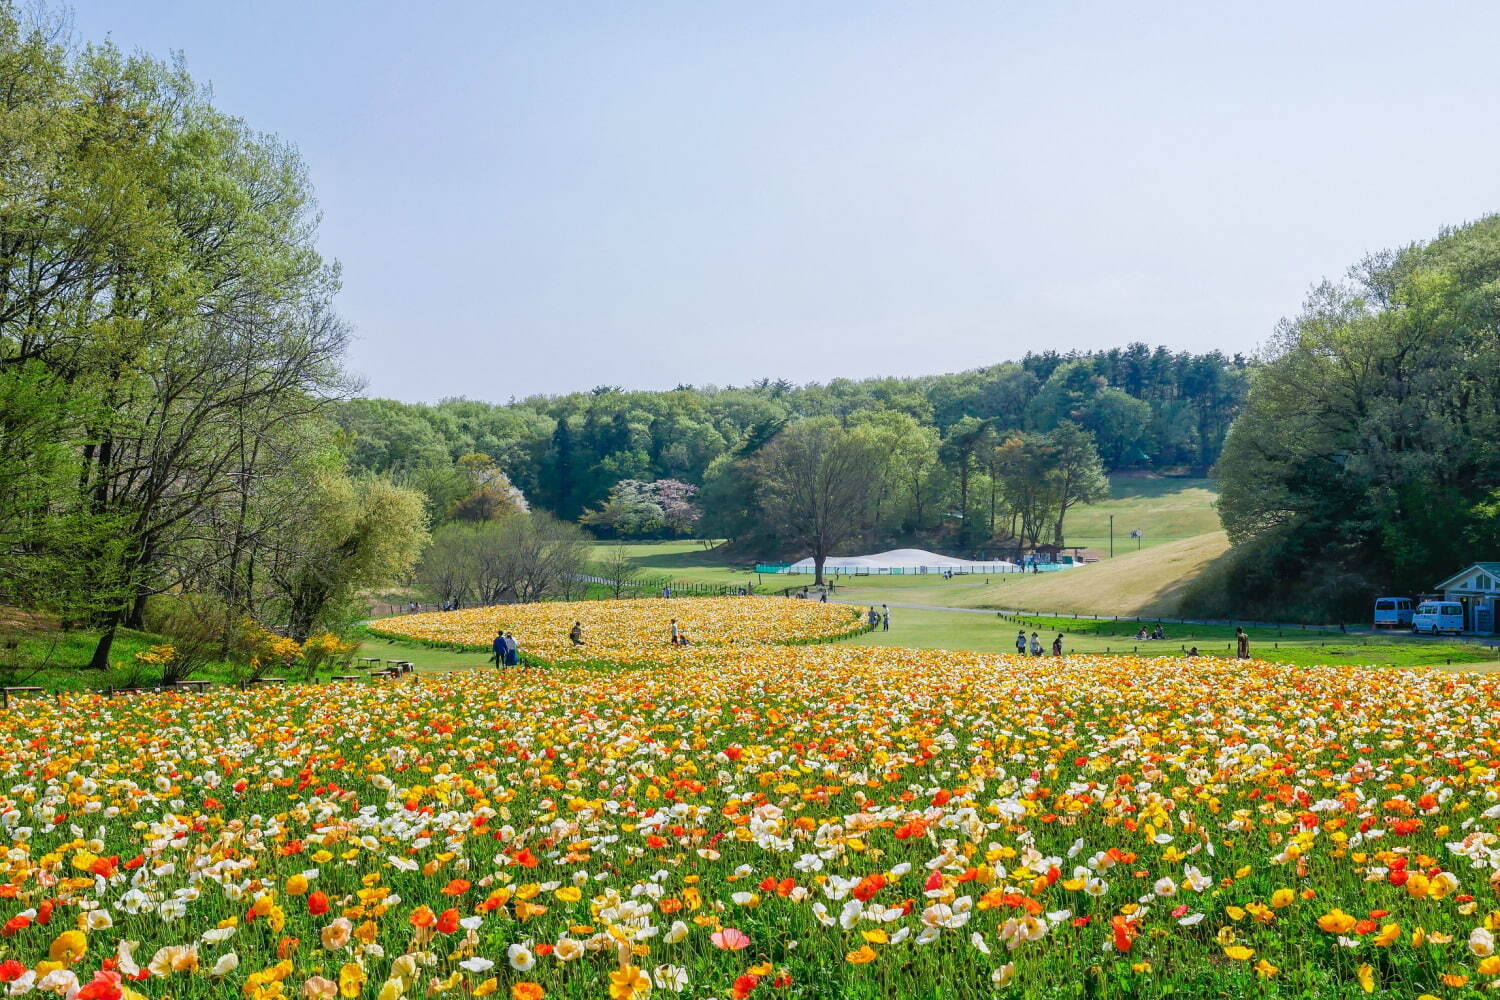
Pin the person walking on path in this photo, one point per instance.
(1242, 643)
(498, 648)
(823, 597)
(512, 650)
(1057, 645)
(885, 618)
(873, 618)
(1036, 645)
(1021, 643)
(575, 634)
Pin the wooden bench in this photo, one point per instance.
(347, 677)
(198, 685)
(6, 692)
(269, 680)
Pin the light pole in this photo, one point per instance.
(1111, 536)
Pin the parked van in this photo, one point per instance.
(1393, 612)
(1433, 617)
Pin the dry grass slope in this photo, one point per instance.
(1148, 582)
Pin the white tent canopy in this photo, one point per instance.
(903, 560)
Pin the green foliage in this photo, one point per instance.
(566, 453)
(1366, 460)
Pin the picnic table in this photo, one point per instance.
(370, 659)
(6, 692)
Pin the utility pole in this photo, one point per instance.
(1111, 536)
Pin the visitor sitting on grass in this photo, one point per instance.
(575, 634)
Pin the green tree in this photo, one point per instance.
(1366, 459)
(364, 533)
(814, 482)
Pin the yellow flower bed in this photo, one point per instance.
(634, 630)
(765, 821)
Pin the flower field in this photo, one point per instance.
(631, 630)
(772, 822)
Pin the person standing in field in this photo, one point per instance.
(1057, 645)
(512, 650)
(1242, 642)
(1036, 644)
(885, 618)
(575, 634)
(1021, 643)
(676, 633)
(498, 647)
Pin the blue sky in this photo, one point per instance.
(541, 197)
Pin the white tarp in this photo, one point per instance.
(903, 559)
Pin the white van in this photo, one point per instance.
(1393, 612)
(1433, 617)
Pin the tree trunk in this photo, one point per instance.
(136, 617)
(100, 659)
(819, 558)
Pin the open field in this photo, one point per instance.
(919, 628)
(803, 822)
(1182, 536)
(1148, 582)
(1164, 510)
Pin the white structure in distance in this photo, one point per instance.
(903, 561)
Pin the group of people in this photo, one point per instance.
(1157, 633)
(675, 635)
(1035, 645)
(505, 651)
(879, 619)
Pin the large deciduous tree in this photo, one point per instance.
(1366, 460)
(815, 481)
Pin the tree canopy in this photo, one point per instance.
(1367, 458)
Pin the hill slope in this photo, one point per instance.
(1148, 582)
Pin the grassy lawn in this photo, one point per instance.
(921, 629)
(1148, 582)
(1177, 517)
(1164, 510)
(58, 661)
(685, 560)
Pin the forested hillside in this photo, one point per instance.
(944, 434)
(1366, 460)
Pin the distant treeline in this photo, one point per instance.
(1143, 408)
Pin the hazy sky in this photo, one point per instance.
(541, 197)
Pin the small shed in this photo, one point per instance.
(1478, 590)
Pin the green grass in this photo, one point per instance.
(915, 628)
(1162, 509)
(58, 661)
